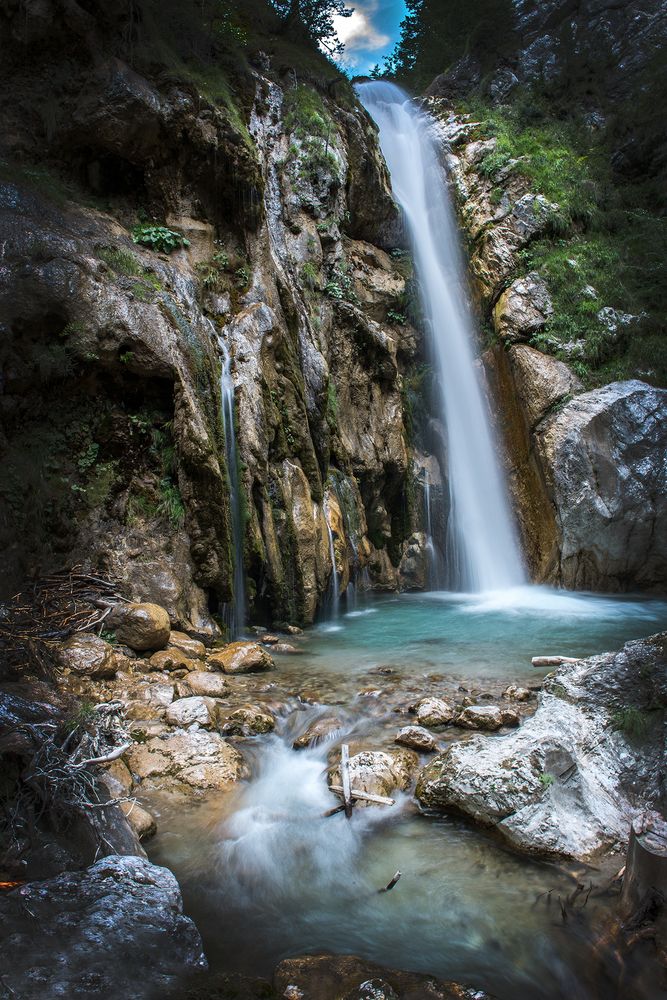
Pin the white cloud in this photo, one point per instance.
(359, 33)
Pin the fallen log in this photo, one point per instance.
(380, 800)
(553, 661)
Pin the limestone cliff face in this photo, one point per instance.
(584, 468)
(112, 352)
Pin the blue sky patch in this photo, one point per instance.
(369, 34)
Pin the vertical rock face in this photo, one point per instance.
(112, 350)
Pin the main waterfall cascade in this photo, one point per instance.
(482, 547)
(234, 612)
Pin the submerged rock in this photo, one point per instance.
(242, 658)
(141, 626)
(248, 720)
(317, 732)
(572, 778)
(416, 738)
(347, 977)
(186, 762)
(115, 929)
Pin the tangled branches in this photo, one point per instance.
(55, 770)
(47, 612)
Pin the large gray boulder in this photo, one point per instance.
(115, 930)
(605, 458)
(570, 781)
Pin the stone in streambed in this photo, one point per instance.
(486, 717)
(434, 712)
(516, 693)
(141, 626)
(170, 659)
(142, 822)
(148, 700)
(241, 658)
(89, 656)
(202, 682)
(248, 720)
(416, 738)
(186, 711)
(317, 732)
(193, 648)
(186, 763)
(379, 772)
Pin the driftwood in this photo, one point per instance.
(553, 661)
(390, 885)
(380, 800)
(345, 777)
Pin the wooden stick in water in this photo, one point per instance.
(345, 776)
(390, 885)
(380, 800)
(552, 661)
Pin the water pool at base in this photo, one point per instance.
(265, 876)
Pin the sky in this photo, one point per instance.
(369, 34)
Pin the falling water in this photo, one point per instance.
(432, 562)
(334, 595)
(482, 549)
(234, 612)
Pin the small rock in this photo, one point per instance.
(197, 709)
(379, 772)
(510, 717)
(170, 659)
(141, 626)
(192, 648)
(148, 701)
(286, 647)
(416, 738)
(486, 717)
(434, 712)
(142, 822)
(89, 656)
(249, 720)
(317, 732)
(516, 693)
(241, 658)
(269, 639)
(202, 682)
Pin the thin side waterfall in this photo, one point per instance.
(482, 547)
(334, 596)
(234, 612)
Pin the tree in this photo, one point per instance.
(314, 18)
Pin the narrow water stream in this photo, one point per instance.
(265, 876)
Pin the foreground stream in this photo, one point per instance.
(265, 876)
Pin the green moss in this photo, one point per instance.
(120, 261)
(631, 721)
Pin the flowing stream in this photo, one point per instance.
(482, 547)
(234, 612)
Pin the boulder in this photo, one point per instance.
(416, 738)
(346, 977)
(604, 456)
(249, 720)
(317, 732)
(115, 929)
(486, 717)
(186, 711)
(193, 648)
(541, 381)
(570, 781)
(202, 682)
(379, 772)
(241, 658)
(89, 656)
(434, 712)
(523, 309)
(141, 626)
(171, 659)
(193, 762)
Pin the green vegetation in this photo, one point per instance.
(547, 780)
(158, 238)
(631, 721)
(171, 503)
(310, 276)
(307, 118)
(331, 411)
(120, 261)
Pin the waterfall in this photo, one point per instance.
(234, 612)
(482, 548)
(334, 596)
